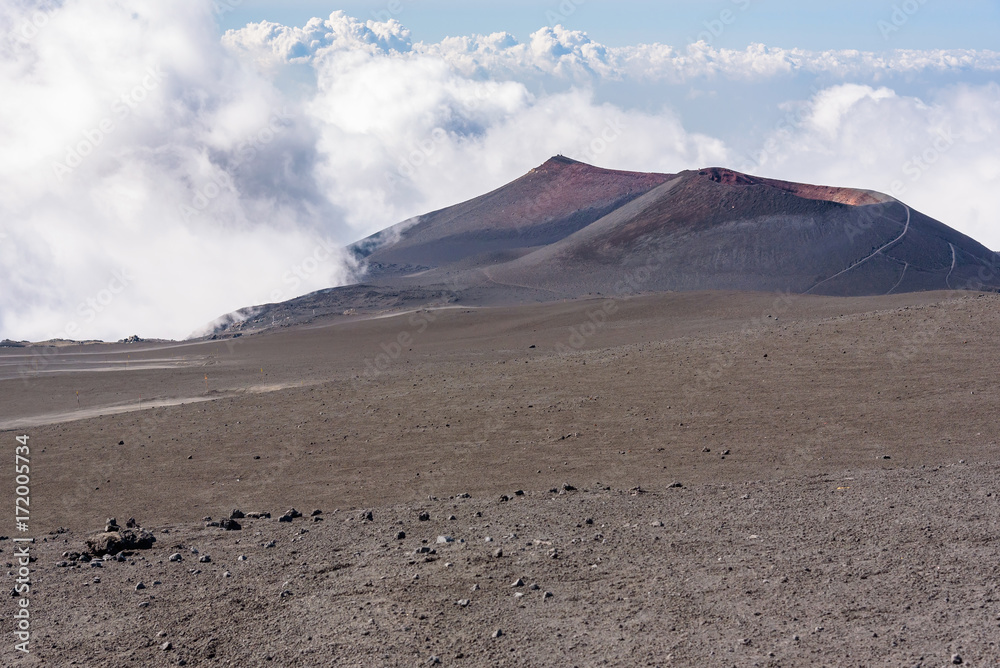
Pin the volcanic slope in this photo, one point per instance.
(712, 229)
(544, 206)
(567, 229)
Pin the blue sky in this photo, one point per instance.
(846, 24)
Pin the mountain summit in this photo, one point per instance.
(567, 229)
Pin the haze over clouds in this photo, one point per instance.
(156, 174)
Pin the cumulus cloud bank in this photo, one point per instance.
(156, 174)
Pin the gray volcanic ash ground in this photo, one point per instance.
(708, 479)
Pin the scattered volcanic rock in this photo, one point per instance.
(113, 542)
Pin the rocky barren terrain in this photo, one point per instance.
(720, 479)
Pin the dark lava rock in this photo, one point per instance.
(113, 542)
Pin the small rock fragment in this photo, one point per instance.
(400, 535)
(518, 583)
(176, 556)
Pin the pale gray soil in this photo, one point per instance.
(857, 508)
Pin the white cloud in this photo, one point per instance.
(573, 55)
(150, 164)
(132, 140)
(938, 155)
